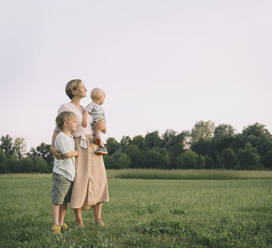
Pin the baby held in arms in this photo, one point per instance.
(97, 113)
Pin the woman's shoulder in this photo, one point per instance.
(65, 107)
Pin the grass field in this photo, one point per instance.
(189, 174)
(144, 213)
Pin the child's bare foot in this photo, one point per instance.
(96, 140)
(101, 151)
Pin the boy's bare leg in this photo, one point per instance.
(55, 213)
(62, 212)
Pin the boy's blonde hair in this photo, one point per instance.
(95, 93)
(64, 116)
(72, 85)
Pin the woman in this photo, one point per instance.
(90, 186)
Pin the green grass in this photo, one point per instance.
(143, 213)
(189, 174)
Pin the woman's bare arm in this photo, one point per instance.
(70, 154)
(55, 152)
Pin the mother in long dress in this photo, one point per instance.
(90, 188)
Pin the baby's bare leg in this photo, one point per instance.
(97, 132)
(97, 135)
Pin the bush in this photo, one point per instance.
(27, 165)
(12, 165)
(209, 162)
(156, 158)
(190, 160)
(40, 165)
(118, 160)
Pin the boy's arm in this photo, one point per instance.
(70, 154)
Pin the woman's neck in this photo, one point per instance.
(76, 101)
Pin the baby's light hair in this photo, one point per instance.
(70, 86)
(95, 93)
(64, 116)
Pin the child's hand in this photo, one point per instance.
(56, 153)
(84, 123)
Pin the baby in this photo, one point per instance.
(97, 113)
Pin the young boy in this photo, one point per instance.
(64, 170)
(97, 113)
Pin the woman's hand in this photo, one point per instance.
(100, 125)
(56, 153)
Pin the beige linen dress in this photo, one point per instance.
(90, 183)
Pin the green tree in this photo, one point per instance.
(258, 136)
(109, 162)
(125, 141)
(135, 155)
(19, 147)
(190, 160)
(138, 141)
(229, 158)
(268, 160)
(209, 162)
(249, 158)
(3, 160)
(202, 130)
(223, 138)
(7, 146)
(41, 152)
(152, 140)
(222, 131)
(123, 161)
(202, 146)
(119, 160)
(12, 148)
(175, 144)
(168, 136)
(112, 145)
(156, 158)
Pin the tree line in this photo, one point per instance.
(206, 146)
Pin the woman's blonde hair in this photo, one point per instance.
(64, 116)
(70, 86)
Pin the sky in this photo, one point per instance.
(163, 64)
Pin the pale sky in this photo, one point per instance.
(163, 64)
